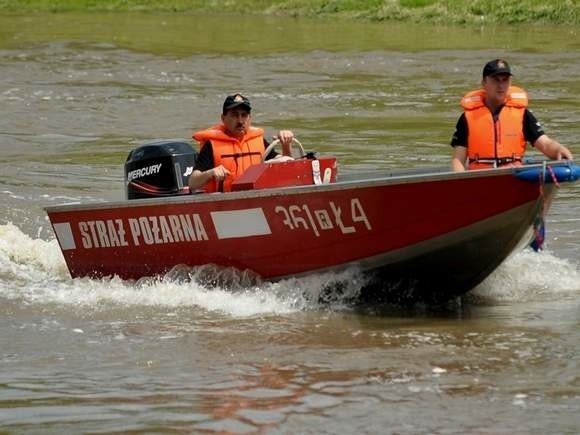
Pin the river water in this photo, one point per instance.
(77, 92)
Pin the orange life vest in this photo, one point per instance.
(235, 155)
(495, 143)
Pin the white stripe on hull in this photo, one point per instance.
(65, 237)
(240, 223)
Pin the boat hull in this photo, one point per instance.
(424, 236)
(452, 264)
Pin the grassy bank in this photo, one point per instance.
(434, 11)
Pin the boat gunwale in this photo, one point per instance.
(351, 181)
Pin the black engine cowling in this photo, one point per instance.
(159, 169)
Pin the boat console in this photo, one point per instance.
(300, 172)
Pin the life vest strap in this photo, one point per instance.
(238, 155)
(499, 161)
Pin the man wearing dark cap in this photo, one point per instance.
(496, 125)
(228, 149)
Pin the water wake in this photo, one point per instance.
(33, 271)
(529, 276)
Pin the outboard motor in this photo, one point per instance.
(159, 169)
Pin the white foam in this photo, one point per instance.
(530, 276)
(24, 258)
(34, 271)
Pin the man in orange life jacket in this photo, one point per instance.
(496, 124)
(229, 148)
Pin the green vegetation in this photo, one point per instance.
(434, 11)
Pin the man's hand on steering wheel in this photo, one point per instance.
(287, 154)
(285, 137)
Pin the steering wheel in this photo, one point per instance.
(277, 142)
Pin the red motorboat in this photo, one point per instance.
(420, 234)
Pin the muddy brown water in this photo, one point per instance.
(78, 91)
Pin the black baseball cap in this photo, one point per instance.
(495, 67)
(236, 100)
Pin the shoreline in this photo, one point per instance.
(451, 12)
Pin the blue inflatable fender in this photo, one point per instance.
(562, 173)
